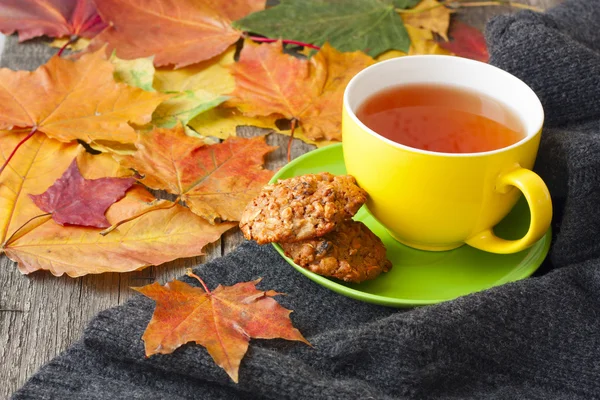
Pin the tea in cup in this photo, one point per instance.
(445, 146)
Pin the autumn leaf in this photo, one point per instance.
(222, 122)
(195, 89)
(74, 200)
(164, 234)
(70, 100)
(371, 26)
(422, 41)
(184, 107)
(54, 18)
(39, 162)
(310, 91)
(35, 242)
(178, 32)
(138, 72)
(466, 41)
(215, 182)
(78, 45)
(211, 75)
(222, 320)
(322, 119)
(429, 15)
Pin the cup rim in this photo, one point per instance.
(530, 135)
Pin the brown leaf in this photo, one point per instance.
(54, 18)
(271, 82)
(179, 32)
(215, 181)
(74, 200)
(223, 320)
(70, 100)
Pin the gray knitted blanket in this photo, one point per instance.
(534, 339)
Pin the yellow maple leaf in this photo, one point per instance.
(430, 15)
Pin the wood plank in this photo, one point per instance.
(478, 16)
(41, 315)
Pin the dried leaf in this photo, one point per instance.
(195, 89)
(322, 119)
(211, 75)
(271, 82)
(223, 321)
(74, 200)
(138, 72)
(436, 18)
(423, 42)
(111, 147)
(466, 41)
(215, 181)
(179, 32)
(184, 107)
(222, 122)
(70, 100)
(40, 243)
(371, 26)
(37, 164)
(78, 45)
(54, 18)
(153, 238)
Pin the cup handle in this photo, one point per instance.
(540, 205)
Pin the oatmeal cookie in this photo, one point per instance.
(351, 253)
(302, 207)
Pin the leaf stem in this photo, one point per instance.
(7, 241)
(26, 138)
(71, 40)
(191, 274)
(289, 146)
(153, 207)
(267, 40)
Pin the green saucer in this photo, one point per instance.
(421, 277)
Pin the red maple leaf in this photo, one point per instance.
(74, 200)
(466, 41)
(54, 18)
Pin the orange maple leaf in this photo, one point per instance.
(223, 320)
(70, 100)
(269, 81)
(215, 181)
(179, 32)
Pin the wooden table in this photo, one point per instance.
(41, 315)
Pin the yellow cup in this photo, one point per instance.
(440, 201)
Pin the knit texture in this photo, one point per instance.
(534, 339)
